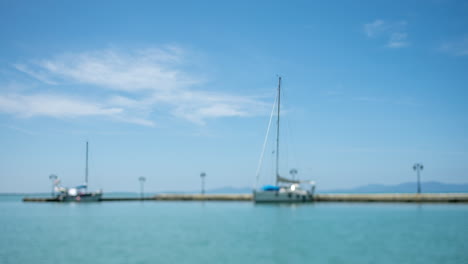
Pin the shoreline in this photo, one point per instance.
(387, 197)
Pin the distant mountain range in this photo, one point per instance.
(407, 187)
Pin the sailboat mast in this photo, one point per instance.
(86, 170)
(278, 130)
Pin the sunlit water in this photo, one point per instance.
(231, 232)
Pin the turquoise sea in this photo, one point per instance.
(231, 232)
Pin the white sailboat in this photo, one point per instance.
(285, 190)
(78, 193)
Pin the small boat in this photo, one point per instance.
(78, 193)
(285, 190)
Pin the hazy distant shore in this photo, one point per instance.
(408, 187)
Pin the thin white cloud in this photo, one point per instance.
(19, 129)
(397, 40)
(457, 48)
(135, 84)
(393, 32)
(150, 69)
(59, 106)
(374, 28)
(51, 105)
(134, 120)
(41, 76)
(197, 106)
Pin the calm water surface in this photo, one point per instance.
(231, 232)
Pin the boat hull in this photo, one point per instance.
(85, 197)
(282, 197)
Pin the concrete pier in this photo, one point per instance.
(204, 197)
(39, 199)
(395, 198)
(185, 197)
(390, 198)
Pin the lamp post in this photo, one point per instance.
(293, 173)
(418, 167)
(53, 177)
(142, 183)
(202, 176)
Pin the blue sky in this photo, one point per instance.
(168, 89)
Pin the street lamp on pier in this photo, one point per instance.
(202, 176)
(293, 173)
(418, 167)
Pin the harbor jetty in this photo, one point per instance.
(395, 198)
(386, 198)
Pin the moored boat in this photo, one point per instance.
(285, 190)
(79, 193)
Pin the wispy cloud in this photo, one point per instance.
(131, 85)
(19, 129)
(398, 40)
(198, 106)
(51, 105)
(374, 28)
(35, 74)
(458, 47)
(149, 69)
(394, 33)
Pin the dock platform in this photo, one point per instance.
(388, 198)
(395, 198)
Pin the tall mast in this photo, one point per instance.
(278, 130)
(86, 171)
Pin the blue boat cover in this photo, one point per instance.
(270, 188)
